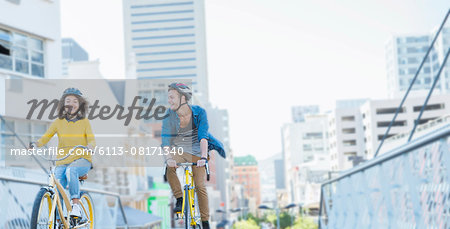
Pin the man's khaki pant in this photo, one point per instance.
(199, 174)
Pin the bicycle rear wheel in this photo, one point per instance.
(41, 211)
(87, 213)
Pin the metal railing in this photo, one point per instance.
(408, 187)
(436, 78)
(17, 197)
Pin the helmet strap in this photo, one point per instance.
(181, 104)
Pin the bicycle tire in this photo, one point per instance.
(42, 196)
(187, 221)
(87, 204)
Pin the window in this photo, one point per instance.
(412, 70)
(401, 71)
(396, 123)
(411, 50)
(380, 137)
(307, 147)
(349, 142)
(350, 153)
(390, 110)
(426, 70)
(427, 80)
(349, 130)
(5, 50)
(348, 118)
(21, 53)
(316, 135)
(439, 106)
(401, 61)
(410, 39)
(425, 120)
(412, 60)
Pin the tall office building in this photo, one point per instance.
(72, 52)
(165, 39)
(403, 56)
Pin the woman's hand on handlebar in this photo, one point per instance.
(32, 145)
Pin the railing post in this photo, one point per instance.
(123, 213)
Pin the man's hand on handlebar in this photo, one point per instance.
(171, 163)
(202, 162)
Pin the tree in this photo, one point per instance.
(247, 224)
(304, 223)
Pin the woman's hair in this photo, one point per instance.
(82, 109)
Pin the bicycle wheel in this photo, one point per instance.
(41, 211)
(87, 213)
(197, 217)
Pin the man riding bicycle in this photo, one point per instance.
(186, 127)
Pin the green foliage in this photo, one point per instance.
(304, 223)
(247, 224)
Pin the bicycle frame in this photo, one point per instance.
(189, 194)
(58, 191)
(189, 190)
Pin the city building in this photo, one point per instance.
(345, 134)
(299, 112)
(404, 53)
(219, 128)
(280, 182)
(377, 115)
(301, 142)
(246, 173)
(30, 48)
(72, 52)
(165, 39)
(308, 179)
(267, 170)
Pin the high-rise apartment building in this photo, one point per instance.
(404, 53)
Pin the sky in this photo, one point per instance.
(265, 56)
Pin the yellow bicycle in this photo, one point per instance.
(190, 212)
(48, 201)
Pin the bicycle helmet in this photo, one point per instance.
(72, 91)
(182, 89)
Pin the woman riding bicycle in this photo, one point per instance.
(186, 127)
(73, 128)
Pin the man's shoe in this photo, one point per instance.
(205, 225)
(178, 205)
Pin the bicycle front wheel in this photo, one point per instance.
(40, 216)
(87, 213)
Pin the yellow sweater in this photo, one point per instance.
(70, 134)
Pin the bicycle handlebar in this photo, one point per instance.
(189, 164)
